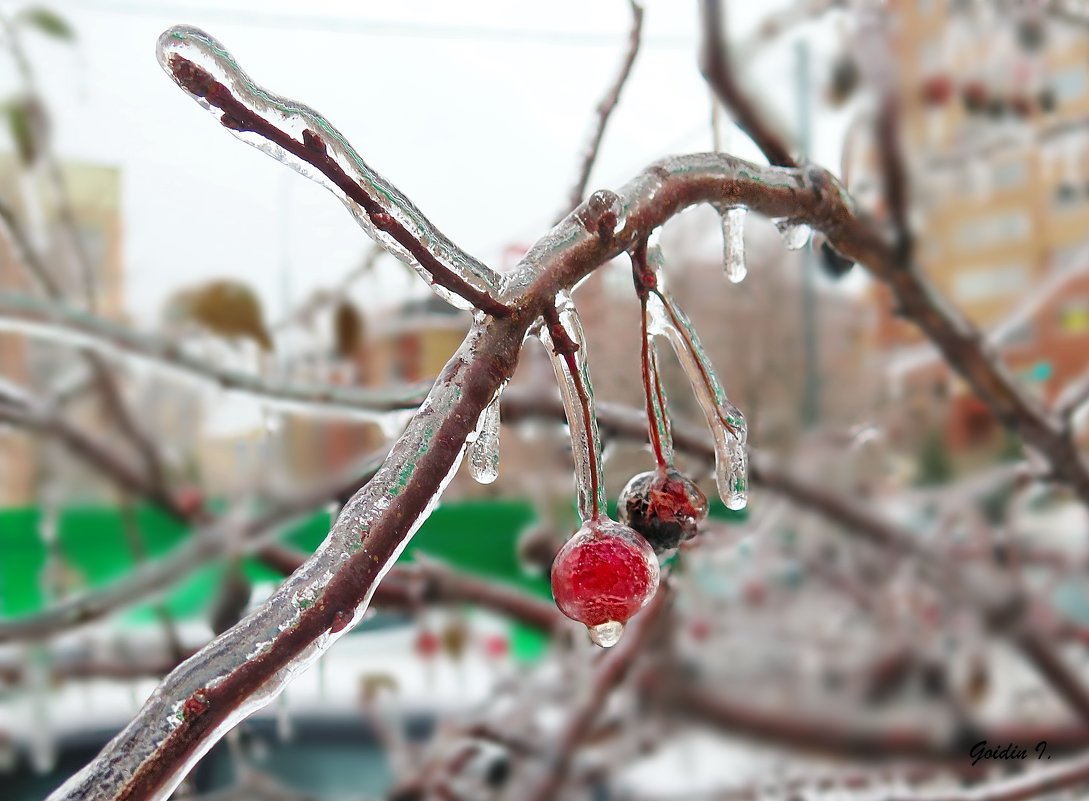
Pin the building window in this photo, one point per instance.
(1019, 335)
(1069, 84)
(996, 282)
(1074, 317)
(1010, 175)
(408, 358)
(1066, 197)
(998, 229)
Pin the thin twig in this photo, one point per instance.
(609, 673)
(604, 109)
(42, 318)
(718, 72)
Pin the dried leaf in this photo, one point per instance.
(29, 127)
(347, 329)
(226, 308)
(48, 22)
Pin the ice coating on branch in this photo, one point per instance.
(795, 237)
(726, 421)
(659, 404)
(733, 244)
(484, 450)
(41, 319)
(585, 440)
(301, 138)
(222, 659)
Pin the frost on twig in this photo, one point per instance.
(304, 140)
(54, 322)
(563, 338)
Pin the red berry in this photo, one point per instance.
(496, 646)
(700, 629)
(428, 644)
(975, 96)
(189, 499)
(755, 593)
(604, 575)
(937, 90)
(666, 507)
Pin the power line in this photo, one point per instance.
(364, 27)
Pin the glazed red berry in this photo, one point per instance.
(603, 575)
(666, 507)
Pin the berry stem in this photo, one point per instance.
(651, 390)
(657, 421)
(566, 348)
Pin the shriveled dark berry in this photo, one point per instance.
(666, 507)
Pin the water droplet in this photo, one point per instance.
(795, 237)
(733, 244)
(606, 634)
(484, 450)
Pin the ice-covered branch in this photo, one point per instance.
(852, 738)
(864, 241)
(605, 109)
(613, 668)
(563, 338)
(46, 320)
(307, 142)
(206, 543)
(105, 381)
(245, 667)
(1006, 609)
(719, 74)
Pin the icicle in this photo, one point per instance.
(726, 421)
(581, 420)
(607, 634)
(795, 237)
(43, 743)
(197, 62)
(285, 725)
(659, 405)
(484, 450)
(733, 244)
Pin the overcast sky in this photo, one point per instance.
(477, 110)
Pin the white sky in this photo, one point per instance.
(477, 110)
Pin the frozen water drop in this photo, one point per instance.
(484, 450)
(733, 244)
(795, 237)
(606, 634)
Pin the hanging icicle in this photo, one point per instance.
(566, 347)
(484, 449)
(725, 420)
(733, 244)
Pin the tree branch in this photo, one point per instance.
(856, 740)
(247, 109)
(604, 110)
(609, 672)
(719, 74)
(51, 321)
